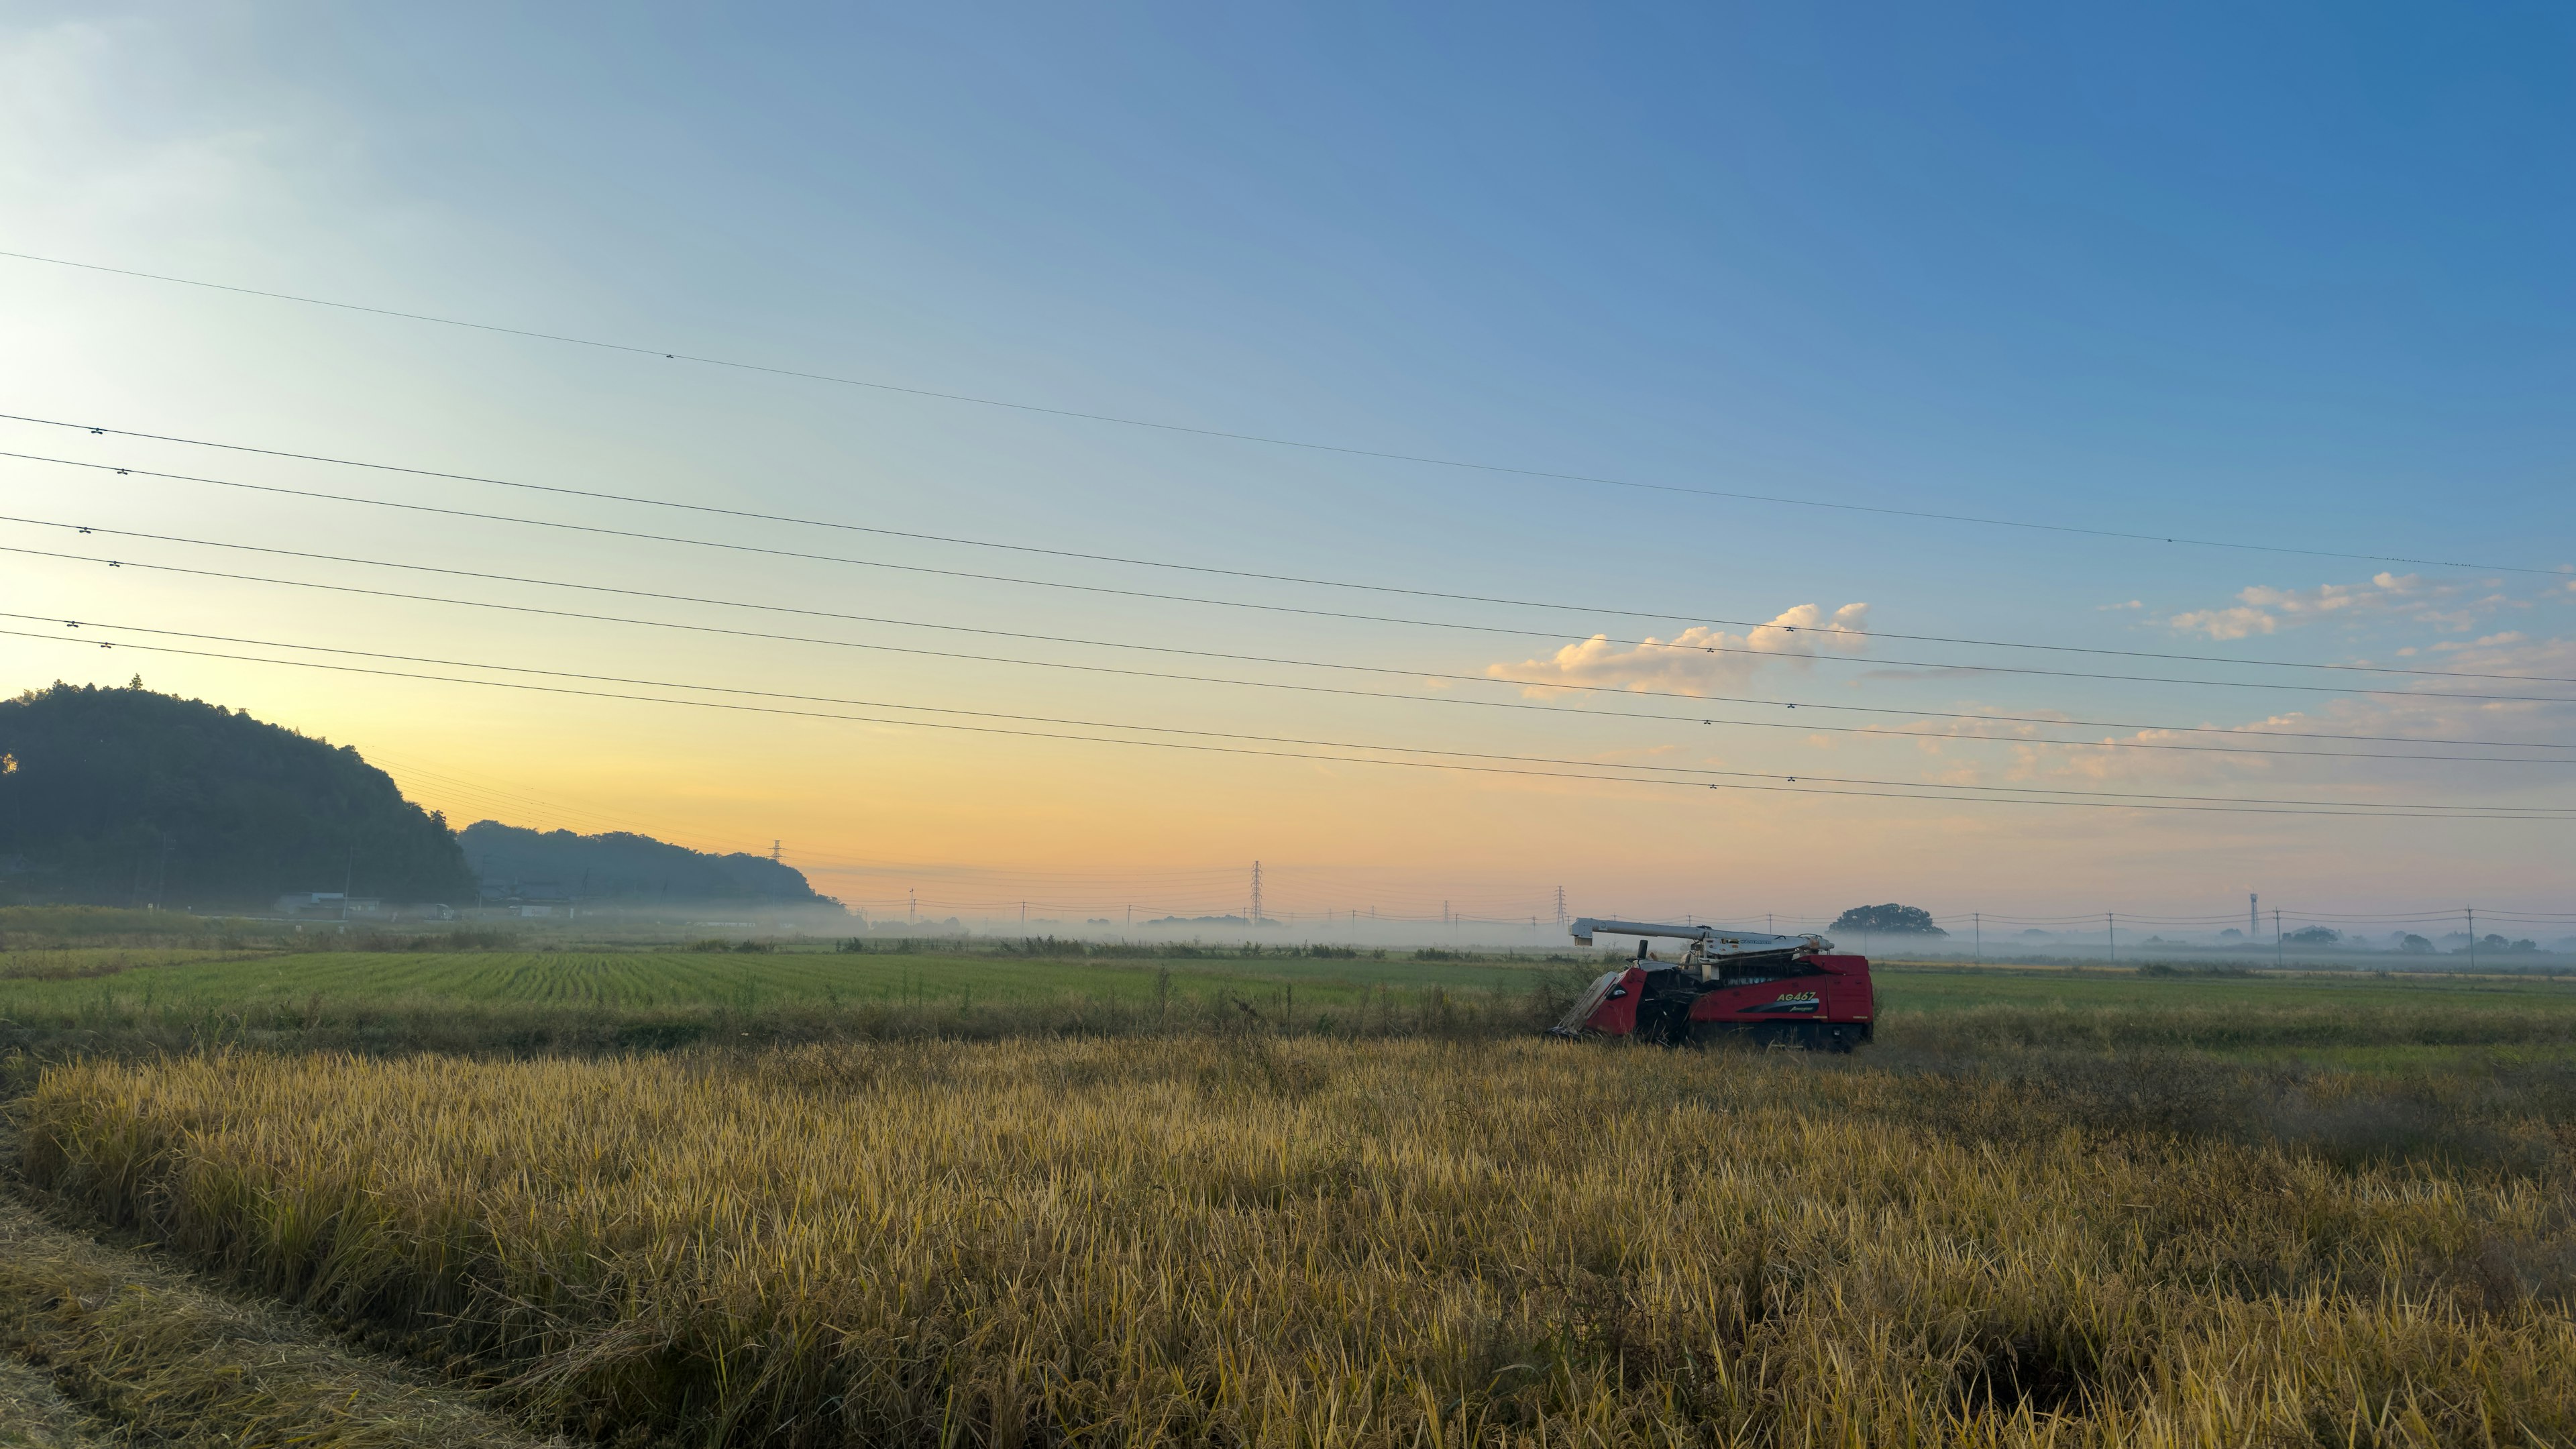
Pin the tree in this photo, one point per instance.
(2313, 936)
(2414, 945)
(1887, 920)
(513, 861)
(122, 796)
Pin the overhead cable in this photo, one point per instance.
(1589, 711)
(1650, 773)
(1838, 632)
(1267, 440)
(598, 531)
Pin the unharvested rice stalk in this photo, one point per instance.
(1332, 1243)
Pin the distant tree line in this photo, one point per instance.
(620, 866)
(127, 797)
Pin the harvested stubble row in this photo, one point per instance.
(1321, 1243)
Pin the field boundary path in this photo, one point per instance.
(105, 1345)
(34, 1415)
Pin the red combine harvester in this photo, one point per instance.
(1727, 986)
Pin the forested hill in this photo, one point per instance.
(124, 796)
(529, 863)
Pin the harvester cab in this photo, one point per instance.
(1726, 985)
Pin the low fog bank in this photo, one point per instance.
(1269, 933)
(821, 921)
(2312, 946)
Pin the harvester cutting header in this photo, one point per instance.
(1727, 985)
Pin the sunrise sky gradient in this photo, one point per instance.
(2295, 278)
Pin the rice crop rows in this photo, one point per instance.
(1258, 1241)
(664, 978)
(57, 1004)
(37, 981)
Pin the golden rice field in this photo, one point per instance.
(1311, 1242)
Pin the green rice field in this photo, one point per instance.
(52, 980)
(199, 996)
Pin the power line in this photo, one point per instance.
(988, 578)
(1588, 712)
(2447, 812)
(1837, 631)
(1427, 460)
(1201, 749)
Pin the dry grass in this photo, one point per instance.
(33, 1415)
(154, 1358)
(1348, 1243)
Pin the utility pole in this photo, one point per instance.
(1256, 893)
(2280, 956)
(349, 876)
(911, 905)
(2111, 923)
(2253, 916)
(161, 884)
(1979, 918)
(2473, 936)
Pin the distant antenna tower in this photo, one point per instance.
(1560, 905)
(2253, 915)
(1256, 893)
(773, 852)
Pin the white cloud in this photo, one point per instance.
(2262, 609)
(2491, 641)
(2235, 623)
(1698, 660)
(2427, 718)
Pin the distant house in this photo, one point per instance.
(331, 905)
(529, 900)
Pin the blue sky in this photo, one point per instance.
(2144, 263)
(2290, 277)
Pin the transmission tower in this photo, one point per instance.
(773, 852)
(1256, 893)
(1560, 905)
